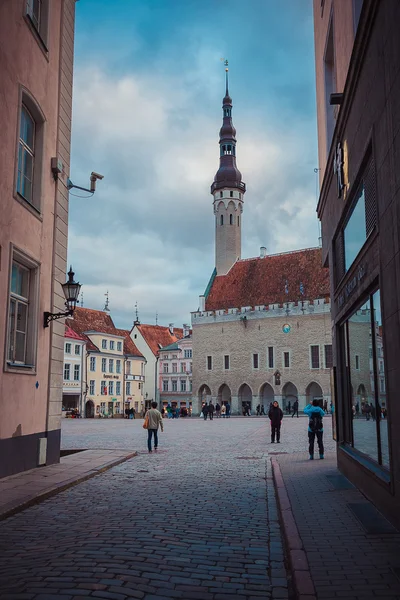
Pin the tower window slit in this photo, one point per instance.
(238, 221)
(222, 219)
(231, 194)
(230, 219)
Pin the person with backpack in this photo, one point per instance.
(275, 416)
(153, 420)
(315, 427)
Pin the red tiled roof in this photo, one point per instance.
(158, 336)
(258, 281)
(129, 346)
(69, 333)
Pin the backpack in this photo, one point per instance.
(315, 422)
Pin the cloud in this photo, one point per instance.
(148, 233)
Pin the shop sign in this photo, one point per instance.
(352, 285)
(110, 376)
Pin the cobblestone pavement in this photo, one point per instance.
(198, 519)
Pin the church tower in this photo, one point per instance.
(228, 191)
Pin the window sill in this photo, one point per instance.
(37, 36)
(20, 368)
(29, 206)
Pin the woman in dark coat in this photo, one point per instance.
(275, 415)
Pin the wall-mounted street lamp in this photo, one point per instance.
(71, 291)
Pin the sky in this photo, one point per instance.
(148, 89)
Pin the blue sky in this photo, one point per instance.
(148, 86)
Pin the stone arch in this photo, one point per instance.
(224, 394)
(204, 394)
(266, 395)
(289, 394)
(245, 396)
(314, 392)
(89, 409)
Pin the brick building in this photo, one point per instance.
(263, 328)
(36, 65)
(358, 98)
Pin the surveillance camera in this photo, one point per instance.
(94, 176)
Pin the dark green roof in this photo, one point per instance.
(173, 346)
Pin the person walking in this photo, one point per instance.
(205, 411)
(218, 410)
(223, 410)
(262, 410)
(315, 428)
(153, 420)
(367, 410)
(258, 409)
(295, 408)
(275, 416)
(373, 411)
(211, 408)
(228, 410)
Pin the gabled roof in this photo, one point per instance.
(69, 333)
(158, 336)
(277, 278)
(129, 347)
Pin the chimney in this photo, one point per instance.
(202, 303)
(263, 252)
(186, 330)
(171, 328)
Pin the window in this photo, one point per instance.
(221, 194)
(118, 388)
(92, 387)
(330, 85)
(110, 388)
(104, 388)
(190, 385)
(174, 367)
(231, 194)
(67, 348)
(357, 6)
(104, 365)
(230, 219)
(355, 232)
(183, 367)
(314, 357)
(119, 346)
(139, 386)
(128, 367)
(26, 155)
(226, 362)
(209, 363)
(165, 385)
(111, 365)
(357, 361)
(104, 344)
(77, 349)
(67, 372)
(328, 356)
(118, 408)
(165, 368)
(255, 361)
(77, 372)
(188, 353)
(92, 363)
(118, 366)
(270, 357)
(112, 345)
(238, 219)
(174, 356)
(37, 13)
(222, 219)
(286, 360)
(183, 385)
(128, 388)
(21, 317)
(174, 385)
(102, 407)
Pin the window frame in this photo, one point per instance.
(209, 363)
(77, 347)
(325, 353)
(112, 345)
(118, 366)
(111, 387)
(104, 344)
(66, 348)
(119, 346)
(67, 371)
(319, 357)
(92, 361)
(255, 360)
(104, 365)
(118, 388)
(288, 354)
(165, 385)
(269, 348)
(183, 385)
(127, 388)
(92, 387)
(227, 356)
(40, 30)
(77, 372)
(111, 365)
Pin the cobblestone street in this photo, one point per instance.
(196, 520)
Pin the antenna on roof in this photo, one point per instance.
(106, 306)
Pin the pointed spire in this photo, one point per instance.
(136, 321)
(106, 306)
(226, 76)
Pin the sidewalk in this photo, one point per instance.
(29, 487)
(339, 545)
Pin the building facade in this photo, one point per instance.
(149, 339)
(36, 64)
(114, 366)
(74, 373)
(358, 99)
(263, 330)
(175, 373)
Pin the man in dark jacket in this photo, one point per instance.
(275, 415)
(211, 410)
(205, 411)
(295, 408)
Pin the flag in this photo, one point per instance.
(286, 287)
(301, 289)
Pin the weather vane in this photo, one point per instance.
(225, 61)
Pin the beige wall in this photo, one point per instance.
(227, 237)
(241, 341)
(30, 401)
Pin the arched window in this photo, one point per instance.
(224, 149)
(229, 149)
(231, 194)
(230, 219)
(238, 221)
(221, 194)
(222, 219)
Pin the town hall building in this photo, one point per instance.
(263, 328)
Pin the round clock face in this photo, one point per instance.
(286, 328)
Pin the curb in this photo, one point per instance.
(298, 561)
(61, 488)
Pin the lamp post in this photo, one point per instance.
(71, 291)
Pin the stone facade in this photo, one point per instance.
(242, 333)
